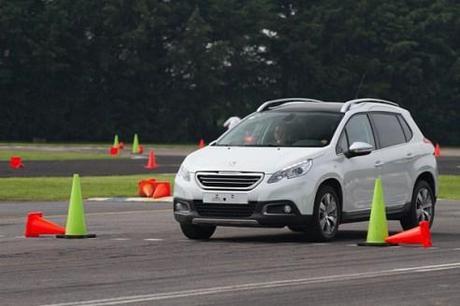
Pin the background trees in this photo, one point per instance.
(175, 70)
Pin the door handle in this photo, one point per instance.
(378, 164)
(409, 156)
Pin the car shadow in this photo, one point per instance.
(342, 236)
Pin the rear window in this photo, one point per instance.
(406, 128)
(389, 130)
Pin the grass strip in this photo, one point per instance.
(449, 187)
(58, 188)
(52, 155)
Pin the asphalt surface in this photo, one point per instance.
(167, 164)
(140, 257)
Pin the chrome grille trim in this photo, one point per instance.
(216, 180)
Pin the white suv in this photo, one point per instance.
(309, 165)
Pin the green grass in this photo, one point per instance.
(52, 155)
(58, 188)
(449, 187)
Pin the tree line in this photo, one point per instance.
(174, 71)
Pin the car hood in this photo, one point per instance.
(253, 159)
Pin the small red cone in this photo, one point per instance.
(163, 190)
(16, 162)
(417, 235)
(36, 225)
(141, 149)
(121, 145)
(201, 144)
(437, 150)
(146, 187)
(151, 163)
(113, 151)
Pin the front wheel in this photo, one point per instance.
(326, 215)
(421, 208)
(197, 232)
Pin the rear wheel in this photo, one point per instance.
(326, 214)
(422, 206)
(197, 232)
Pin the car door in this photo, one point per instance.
(394, 160)
(359, 172)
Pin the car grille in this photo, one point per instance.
(225, 210)
(238, 181)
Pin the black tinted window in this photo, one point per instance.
(389, 130)
(359, 130)
(406, 128)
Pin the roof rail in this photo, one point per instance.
(347, 105)
(277, 102)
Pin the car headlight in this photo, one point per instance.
(184, 173)
(295, 170)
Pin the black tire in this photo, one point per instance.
(416, 213)
(297, 228)
(197, 232)
(318, 229)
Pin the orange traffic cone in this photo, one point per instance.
(151, 163)
(201, 144)
(420, 234)
(146, 187)
(163, 190)
(16, 162)
(113, 151)
(36, 225)
(437, 150)
(121, 145)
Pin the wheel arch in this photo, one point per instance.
(429, 178)
(334, 183)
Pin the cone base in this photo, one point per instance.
(76, 236)
(376, 244)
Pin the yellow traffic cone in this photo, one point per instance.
(378, 227)
(76, 224)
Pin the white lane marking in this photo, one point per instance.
(153, 239)
(255, 286)
(19, 237)
(120, 239)
(456, 249)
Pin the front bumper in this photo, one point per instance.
(253, 214)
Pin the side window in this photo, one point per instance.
(342, 144)
(406, 128)
(359, 129)
(389, 130)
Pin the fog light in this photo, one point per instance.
(287, 209)
(182, 207)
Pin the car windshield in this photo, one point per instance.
(283, 129)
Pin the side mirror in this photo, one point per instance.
(359, 149)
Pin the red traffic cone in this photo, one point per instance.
(437, 150)
(201, 144)
(113, 151)
(140, 149)
(36, 225)
(121, 145)
(420, 234)
(146, 187)
(151, 163)
(16, 162)
(163, 190)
